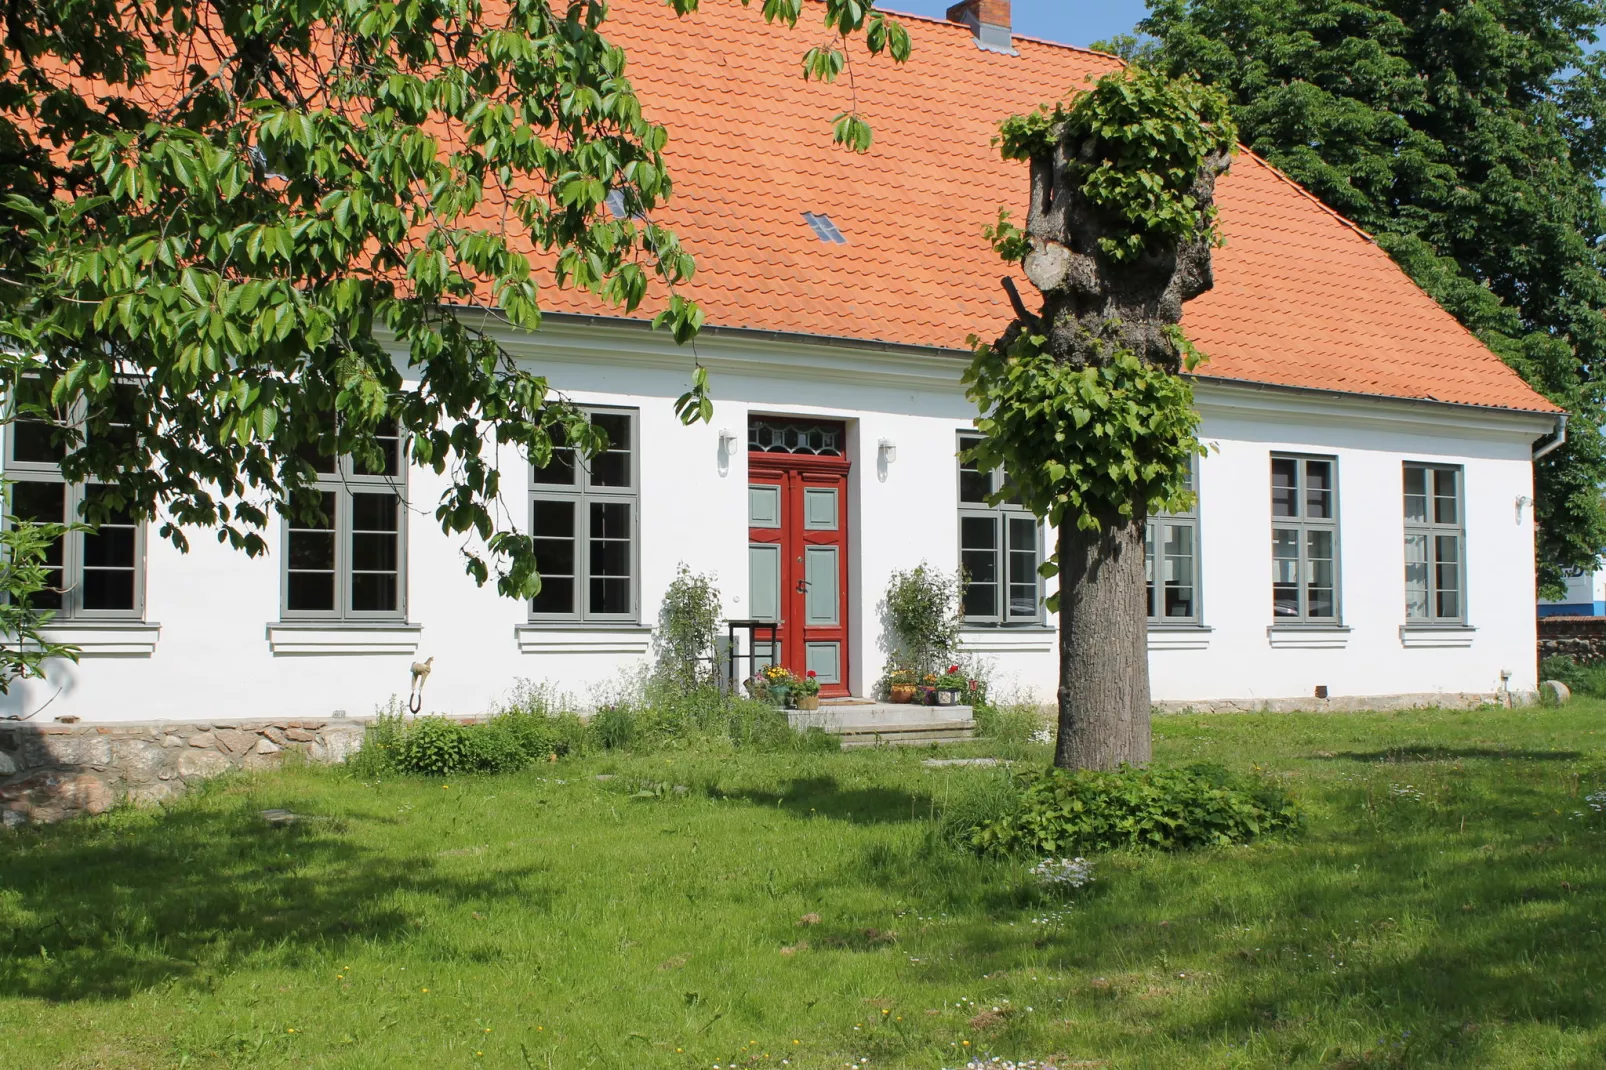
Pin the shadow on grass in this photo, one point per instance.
(824, 796)
(1422, 752)
(103, 909)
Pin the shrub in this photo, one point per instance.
(1010, 722)
(612, 727)
(922, 616)
(1060, 812)
(434, 746)
(1582, 678)
(688, 629)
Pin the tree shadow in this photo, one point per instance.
(824, 796)
(1422, 752)
(102, 909)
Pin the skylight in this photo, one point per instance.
(824, 229)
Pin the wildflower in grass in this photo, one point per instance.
(1063, 872)
(1597, 802)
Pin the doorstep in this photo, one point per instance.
(864, 714)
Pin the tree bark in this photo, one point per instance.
(1104, 655)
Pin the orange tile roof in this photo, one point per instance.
(1302, 297)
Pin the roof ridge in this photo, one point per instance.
(1017, 36)
(1308, 195)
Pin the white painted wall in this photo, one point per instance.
(212, 657)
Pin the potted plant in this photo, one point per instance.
(901, 685)
(778, 685)
(807, 691)
(928, 689)
(951, 687)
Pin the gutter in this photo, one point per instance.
(1556, 442)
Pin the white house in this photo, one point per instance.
(1364, 528)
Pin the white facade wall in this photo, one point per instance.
(212, 647)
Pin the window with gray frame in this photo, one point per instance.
(1435, 538)
(345, 556)
(1000, 549)
(1171, 562)
(1304, 539)
(93, 575)
(584, 519)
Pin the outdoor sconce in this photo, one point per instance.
(889, 450)
(727, 439)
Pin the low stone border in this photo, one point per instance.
(1458, 700)
(51, 772)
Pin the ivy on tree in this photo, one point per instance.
(292, 224)
(1082, 403)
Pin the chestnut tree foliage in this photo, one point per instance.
(237, 234)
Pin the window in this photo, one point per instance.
(823, 228)
(1000, 548)
(346, 562)
(1171, 553)
(584, 521)
(1435, 568)
(1304, 539)
(92, 574)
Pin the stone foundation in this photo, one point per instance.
(50, 772)
(1461, 700)
(1579, 638)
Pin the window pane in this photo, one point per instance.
(314, 455)
(1416, 577)
(611, 468)
(1447, 575)
(552, 524)
(978, 556)
(374, 512)
(609, 558)
(1285, 572)
(1446, 509)
(1320, 591)
(1319, 489)
(31, 442)
(1284, 486)
(373, 592)
(1149, 566)
(974, 485)
(109, 558)
(1023, 567)
(389, 459)
(1178, 548)
(310, 559)
(1416, 495)
(45, 503)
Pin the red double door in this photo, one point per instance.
(798, 561)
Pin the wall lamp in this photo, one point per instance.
(889, 450)
(727, 439)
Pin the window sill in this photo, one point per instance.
(106, 638)
(301, 638)
(1179, 637)
(1414, 636)
(1007, 639)
(561, 637)
(1308, 636)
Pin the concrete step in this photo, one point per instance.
(908, 735)
(839, 717)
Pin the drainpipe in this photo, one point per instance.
(1557, 442)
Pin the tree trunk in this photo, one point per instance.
(1104, 647)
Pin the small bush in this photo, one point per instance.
(1060, 812)
(1010, 722)
(434, 746)
(1582, 678)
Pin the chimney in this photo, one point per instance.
(988, 20)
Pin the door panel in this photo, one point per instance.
(797, 555)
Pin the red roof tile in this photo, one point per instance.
(1302, 297)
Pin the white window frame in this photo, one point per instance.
(345, 482)
(1001, 516)
(1304, 525)
(73, 553)
(1432, 531)
(1153, 556)
(582, 494)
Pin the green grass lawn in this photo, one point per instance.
(1444, 906)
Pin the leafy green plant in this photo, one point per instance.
(688, 629)
(1582, 678)
(613, 726)
(434, 746)
(23, 575)
(922, 617)
(1169, 809)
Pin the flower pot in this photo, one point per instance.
(902, 692)
(928, 696)
(779, 696)
(948, 696)
(808, 702)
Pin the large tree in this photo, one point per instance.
(1082, 401)
(240, 235)
(1470, 137)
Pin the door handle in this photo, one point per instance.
(802, 586)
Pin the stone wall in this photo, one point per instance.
(1579, 638)
(49, 772)
(1355, 703)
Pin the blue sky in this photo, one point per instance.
(1071, 22)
